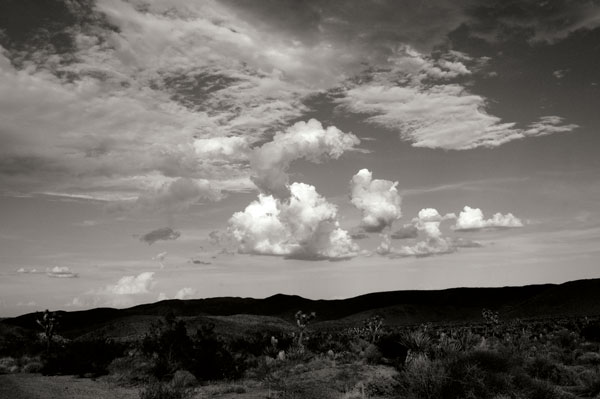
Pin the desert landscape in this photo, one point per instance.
(511, 342)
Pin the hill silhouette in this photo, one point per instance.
(455, 305)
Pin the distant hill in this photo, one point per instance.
(575, 298)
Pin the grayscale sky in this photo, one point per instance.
(185, 149)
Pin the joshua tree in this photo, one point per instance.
(373, 326)
(492, 319)
(48, 322)
(302, 320)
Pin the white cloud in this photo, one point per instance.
(439, 114)
(304, 140)
(471, 219)
(303, 226)
(132, 285)
(60, 272)
(378, 200)
(434, 243)
(160, 257)
(227, 148)
(185, 293)
(162, 297)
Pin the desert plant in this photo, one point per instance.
(49, 322)
(373, 326)
(302, 320)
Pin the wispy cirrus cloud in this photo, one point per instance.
(417, 98)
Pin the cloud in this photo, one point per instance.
(225, 148)
(160, 257)
(427, 221)
(185, 293)
(530, 20)
(378, 200)
(472, 219)
(405, 232)
(304, 140)
(162, 297)
(177, 195)
(60, 272)
(303, 226)
(132, 285)
(414, 107)
(164, 234)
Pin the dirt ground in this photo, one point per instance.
(36, 386)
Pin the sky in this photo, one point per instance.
(179, 149)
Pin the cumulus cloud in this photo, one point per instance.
(164, 234)
(405, 232)
(162, 296)
(472, 219)
(225, 148)
(60, 272)
(304, 140)
(428, 222)
(185, 293)
(303, 226)
(132, 285)
(378, 200)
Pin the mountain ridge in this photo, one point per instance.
(406, 307)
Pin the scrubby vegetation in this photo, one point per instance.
(544, 358)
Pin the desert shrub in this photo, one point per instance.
(423, 378)
(323, 341)
(589, 358)
(590, 384)
(372, 354)
(82, 358)
(159, 390)
(488, 360)
(417, 341)
(591, 332)
(477, 374)
(17, 345)
(170, 348)
(542, 367)
(382, 385)
(394, 349)
(130, 369)
(8, 365)
(33, 366)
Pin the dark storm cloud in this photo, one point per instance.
(535, 21)
(164, 234)
(377, 26)
(33, 28)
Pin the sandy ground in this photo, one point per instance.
(36, 386)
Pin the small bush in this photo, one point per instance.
(372, 354)
(82, 358)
